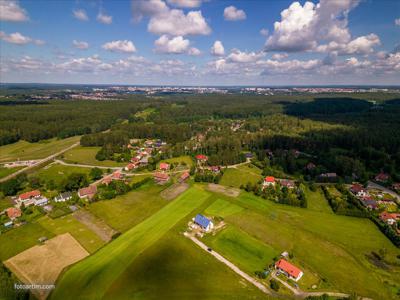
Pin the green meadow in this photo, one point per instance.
(87, 156)
(23, 150)
(99, 271)
(180, 159)
(58, 172)
(222, 208)
(7, 171)
(241, 175)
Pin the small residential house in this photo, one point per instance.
(87, 192)
(201, 158)
(161, 178)
(8, 224)
(358, 190)
(382, 177)
(184, 177)
(31, 198)
(396, 186)
(130, 167)
(269, 181)
(287, 183)
(106, 180)
(369, 203)
(205, 223)
(13, 212)
(117, 175)
(288, 269)
(63, 197)
(389, 218)
(310, 166)
(164, 166)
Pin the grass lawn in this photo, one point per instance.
(87, 238)
(246, 252)
(19, 239)
(175, 268)
(23, 150)
(187, 159)
(317, 201)
(126, 211)
(241, 175)
(58, 172)
(99, 271)
(6, 203)
(223, 208)
(7, 171)
(332, 246)
(87, 156)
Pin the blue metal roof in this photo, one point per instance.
(202, 221)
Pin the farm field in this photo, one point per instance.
(7, 171)
(241, 175)
(317, 201)
(23, 150)
(339, 245)
(126, 211)
(87, 156)
(223, 208)
(186, 159)
(68, 224)
(58, 172)
(98, 272)
(174, 261)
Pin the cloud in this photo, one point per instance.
(103, 18)
(80, 14)
(80, 44)
(18, 39)
(264, 32)
(11, 11)
(360, 45)
(175, 45)
(124, 46)
(185, 3)
(231, 13)
(302, 28)
(147, 8)
(244, 57)
(397, 22)
(279, 56)
(218, 49)
(175, 22)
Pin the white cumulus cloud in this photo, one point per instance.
(18, 39)
(218, 49)
(231, 13)
(147, 8)
(174, 45)
(185, 3)
(103, 18)
(80, 14)
(124, 46)
(11, 11)
(244, 57)
(80, 44)
(397, 22)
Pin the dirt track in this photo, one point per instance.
(174, 191)
(95, 224)
(228, 191)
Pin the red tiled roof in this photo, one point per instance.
(185, 175)
(13, 212)
(355, 188)
(382, 177)
(201, 157)
(164, 166)
(116, 175)
(386, 216)
(90, 190)
(269, 179)
(30, 194)
(161, 176)
(288, 268)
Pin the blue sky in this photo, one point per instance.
(201, 42)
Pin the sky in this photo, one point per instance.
(201, 42)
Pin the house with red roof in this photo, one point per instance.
(184, 176)
(161, 178)
(13, 212)
(31, 198)
(87, 192)
(201, 157)
(382, 177)
(288, 269)
(269, 181)
(164, 166)
(389, 218)
(117, 175)
(130, 167)
(396, 186)
(358, 190)
(287, 183)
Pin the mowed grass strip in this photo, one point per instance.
(222, 208)
(91, 278)
(23, 150)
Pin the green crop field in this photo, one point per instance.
(87, 156)
(87, 238)
(7, 171)
(175, 268)
(222, 208)
(333, 247)
(19, 239)
(23, 150)
(126, 211)
(246, 252)
(241, 175)
(58, 172)
(98, 272)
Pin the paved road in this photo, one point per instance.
(38, 162)
(85, 166)
(386, 190)
(250, 279)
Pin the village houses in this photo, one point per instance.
(291, 271)
(31, 198)
(87, 192)
(203, 222)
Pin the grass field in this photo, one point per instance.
(222, 208)
(7, 171)
(87, 156)
(332, 246)
(99, 271)
(186, 159)
(87, 238)
(241, 175)
(246, 252)
(317, 201)
(126, 211)
(23, 150)
(175, 268)
(58, 172)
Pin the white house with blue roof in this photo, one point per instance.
(205, 223)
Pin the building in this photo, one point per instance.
(358, 190)
(287, 183)
(130, 167)
(310, 166)
(201, 158)
(184, 176)
(164, 166)
(8, 224)
(205, 223)
(269, 181)
(396, 186)
(31, 198)
(389, 218)
(13, 212)
(87, 192)
(288, 269)
(161, 178)
(369, 203)
(382, 177)
(63, 197)
(117, 175)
